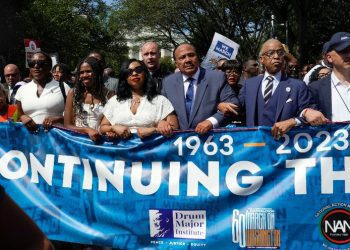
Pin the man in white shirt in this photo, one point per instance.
(332, 93)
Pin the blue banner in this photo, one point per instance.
(231, 189)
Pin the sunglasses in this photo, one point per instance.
(40, 63)
(137, 70)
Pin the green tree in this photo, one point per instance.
(196, 21)
(247, 22)
(70, 28)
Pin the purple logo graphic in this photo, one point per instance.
(161, 223)
(181, 224)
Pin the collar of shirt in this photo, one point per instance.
(187, 83)
(340, 98)
(195, 76)
(276, 77)
(276, 81)
(337, 82)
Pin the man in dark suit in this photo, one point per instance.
(195, 92)
(331, 93)
(273, 99)
(150, 52)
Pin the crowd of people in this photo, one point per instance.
(147, 99)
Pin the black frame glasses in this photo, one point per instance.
(271, 53)
(232, 72)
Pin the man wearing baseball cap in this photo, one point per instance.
(332, 93)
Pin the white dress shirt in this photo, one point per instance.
(276, 81)
(340, 100)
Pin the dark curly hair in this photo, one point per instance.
(124, 89)
(97, 86)
(232, 65)
(64, 68)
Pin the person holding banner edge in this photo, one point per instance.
(275, 100)
(195, 92)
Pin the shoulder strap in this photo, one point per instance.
(63, 91)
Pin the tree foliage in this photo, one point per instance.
(174, 21)
(70, 28)
(310, 23)
(74, 27)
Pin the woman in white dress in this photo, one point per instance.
(137, 106)
(41, 101)
(85, 102)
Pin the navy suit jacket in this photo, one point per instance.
(322, 93)
(211, 90)
(294, 98)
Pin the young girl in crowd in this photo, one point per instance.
(85, 102)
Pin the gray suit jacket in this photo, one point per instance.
(211, 90)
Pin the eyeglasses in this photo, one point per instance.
(232, 72)
(271, 53)
(321, 75)
(137, 70)
(40, 63)
(13, 75)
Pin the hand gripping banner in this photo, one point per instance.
(232, 188)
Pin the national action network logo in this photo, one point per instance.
(185, 224)
(335, 226)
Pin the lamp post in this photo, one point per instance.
(281, 24)
(273, 26)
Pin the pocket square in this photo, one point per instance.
(289, 100)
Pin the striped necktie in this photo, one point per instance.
(268, 89)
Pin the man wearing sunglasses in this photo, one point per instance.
(273, 99)
(195, 92)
